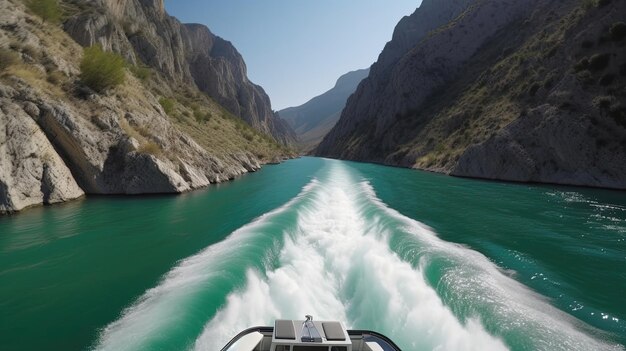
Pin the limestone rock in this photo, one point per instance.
(188, 54)
(31, 172)
(496, 89)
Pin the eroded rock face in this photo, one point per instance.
(31, 172)
(188, 54)
(423, 56)
(502, 90)
(60, 140)
(43, 139)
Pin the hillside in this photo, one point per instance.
(528, 91)
(314, 119)
(185, 115)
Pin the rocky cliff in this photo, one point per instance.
(529, 91)
(187, 54)
(314, 119)
(155, 133)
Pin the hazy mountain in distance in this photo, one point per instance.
(315, 118)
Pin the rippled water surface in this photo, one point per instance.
(431, 261)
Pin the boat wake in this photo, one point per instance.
(337, 252)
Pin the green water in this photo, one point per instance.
(185, 272)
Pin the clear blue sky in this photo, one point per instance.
(296, 49)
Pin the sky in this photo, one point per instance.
(296, 49)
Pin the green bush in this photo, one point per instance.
(201, 116)
(618, 31)
(48, 10)
(167, 104)
(101, 70)
(8, 58)
(142, 72)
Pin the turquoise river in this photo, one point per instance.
(434, 262)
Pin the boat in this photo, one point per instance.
(309, 335)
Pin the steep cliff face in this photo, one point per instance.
(60, 140)
(503, 90)
(314, 119)
(188, 54)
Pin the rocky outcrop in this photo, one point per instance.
(31, 172)
(502, 90)
(314, 119)
(188, 54)
(60, 140)
(396, 89)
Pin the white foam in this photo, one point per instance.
(336, 263)
(515, 306)
(164, 305)
(338, 266)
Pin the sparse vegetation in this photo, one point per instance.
(167, 104)
(150, 148)
(201, 116)
(48, 10)
(101, 70)
(8, 58)
(142, 72)
(56, 77)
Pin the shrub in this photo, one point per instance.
(618, 31)
(8, 58)
(149, 148)
(142, 72)
(201, 116)
(31, 52)
(56, 77)
(602, 3)
(167, 104)
(101, 70)
(48, 10)
(599, 62)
